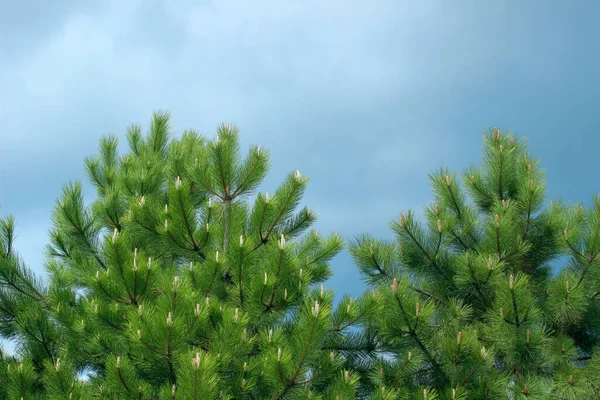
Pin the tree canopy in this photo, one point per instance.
(180, 281)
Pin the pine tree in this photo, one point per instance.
(178, 282)
(468, 306)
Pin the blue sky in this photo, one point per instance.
(365, 98)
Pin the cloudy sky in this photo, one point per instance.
(365, 98)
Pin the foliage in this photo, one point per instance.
(468, 304)
(179, 281)
(175, 283)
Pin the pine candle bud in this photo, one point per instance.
(346, 376)
(402, 219)
(511, 282)
(142, 201)
(57, 365)
(191, 266)
(322, 291)
(175, 283)
(439, 225)
(173, 390)
(459, 337)
(118, 362)
(209, 203)
(266, 197)
(504, 204)
(282, 242)
(197, 310)
(472, 179)
(371, 250)
(166, 208)
(298, 176)
(566, 234)
(207, 227)
(21, 368)
(217, 256)
(453, 394)
(437, 209)
(528, 335)
(497, 221)
(166, 225)
(149, 262)
(266, 278)
(496, 133)
(236, 314)
(270, 335)
(258, 150)
(331, 356)
(484, 353)
(285, 293)
(115, 234)
(570, 379)
(196, 361)
(501, 149)
(489, 262)
(279, 354)
(97, 274)
(417, 309)
(501, 312)
(448, 180)
(178, 183)
(395, 286)
(241, 240)
(140, 310)
(425, 394)
(315, 309)
(170, 319)
(300, 274)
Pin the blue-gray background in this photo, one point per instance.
(365, 98)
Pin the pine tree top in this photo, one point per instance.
(179, 281)
(470, 305)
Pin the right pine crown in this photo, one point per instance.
(496, 294)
